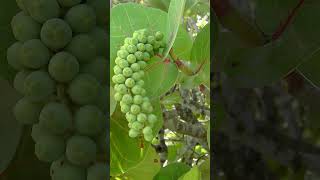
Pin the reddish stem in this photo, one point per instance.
(282, 27)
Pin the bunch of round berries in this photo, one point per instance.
(128, 76)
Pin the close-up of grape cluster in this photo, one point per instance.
(60, 56)
(128, 76)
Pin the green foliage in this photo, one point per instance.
(56, 34)
(56, 118)
(98, 171)
(81, 150)
(172, 171)
(24, 27)
(63, 67)
(81, 18)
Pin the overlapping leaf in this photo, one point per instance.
(172, 171)
(175, 15)
(125, 151)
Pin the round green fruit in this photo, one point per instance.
(56, 34)
(56, 118)
(83, 89)
(81, 18)
(63, 67)
(24, 27)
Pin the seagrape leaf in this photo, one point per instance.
(172, 171)
(8, 10)
(298, 45)
(129, 17)
(113, 103)
(10, 129)
(269, 14)
(193, 174)
(200, 55)
(204, 167)
(160, 76)
(125, 151)
(147, 168)
(183, 44)
(175, 14)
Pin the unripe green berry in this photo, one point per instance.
(152, 119)
(140, 83)
(131, 117)
(130, 82)
(147, 107)
(131, 58)
(118, 96)
(159, 36)
(147, 130)
(142, 117)
(120, 78)
(141, 72)
(148, 137)
(127, 72)
(142, 64)
(127, 98)
(133, 41)
(122, 54)
(149, 47)
(118, 60)
(143, 92)
(142, 38)
(133, 133)
(125, 108)
(151, 40)
(117, 69)
(141, 47)
(136, 90)
(135, 34)
(139, 55)
(123, 63)
(137, 99)
(135, 67)
(126, 40)
(121, 88)
(156, 45)
(146, 56)
(130, 125)
(135, 109)
(124, 47)
(137, 125)
(131, 48)
(136, 76)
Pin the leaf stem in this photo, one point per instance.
(182, 66)
(282, 27)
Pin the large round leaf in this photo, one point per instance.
(172, 171)
(160, 76)
(10, 129)
(126, 152)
